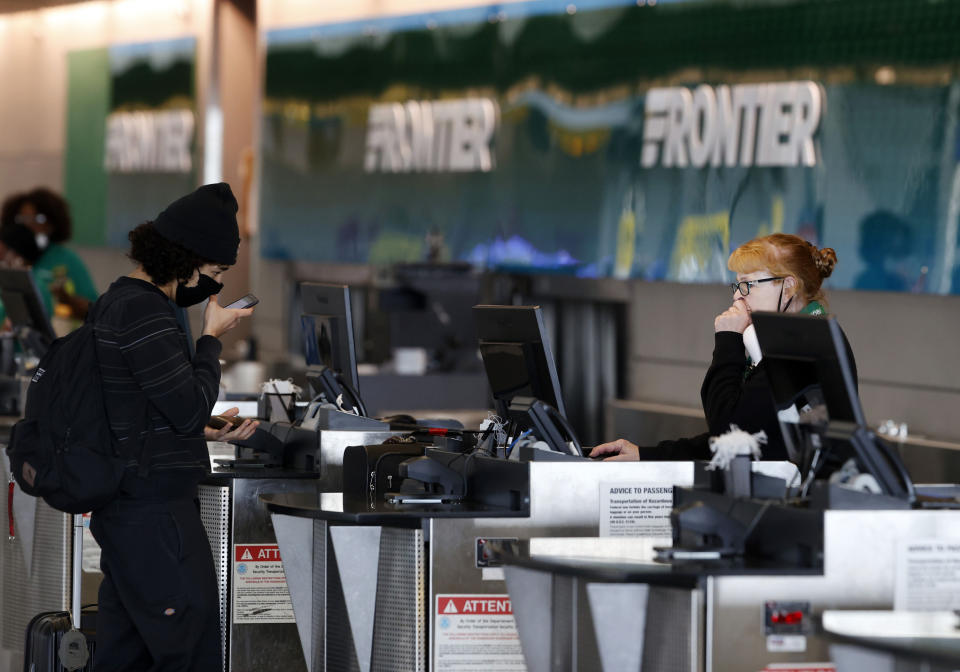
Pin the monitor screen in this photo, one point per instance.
(814, 380)
(805, 357)
(516, 355)
(20, 297)
(320, 340)
(518, 370)
(430, 306)
(326, 325)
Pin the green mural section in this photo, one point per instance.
(596, 49)
(85, 181)
(150, 77)
(140, 81)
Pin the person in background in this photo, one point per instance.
(61, 276)
(777, 273)
(884, 238)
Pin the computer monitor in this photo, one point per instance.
(24, 307)
(522, 374)
(326, 325)
(516, 355)
(804, 352)
(429, 307)
(805, 358)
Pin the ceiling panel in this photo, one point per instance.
(7, 6)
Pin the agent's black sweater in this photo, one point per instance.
(730, 397)
(158, 399)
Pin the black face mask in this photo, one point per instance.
(191, 296)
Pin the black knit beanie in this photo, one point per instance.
(204, 222)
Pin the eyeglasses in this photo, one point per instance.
(26, 220)
(744, 286)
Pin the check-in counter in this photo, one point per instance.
(609, 606)
(256, 620)
(901, 641)
(256, 614)
(35, 564)
(360, 576)
(928, 460)
(383, 586)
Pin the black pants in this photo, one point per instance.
(158, 605)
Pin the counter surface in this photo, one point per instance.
(920, 636)
(334, 507)
(631, 560)
(221, 474)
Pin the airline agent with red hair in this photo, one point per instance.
(778, 273)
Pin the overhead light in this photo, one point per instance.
(885, 75)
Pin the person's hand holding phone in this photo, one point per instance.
(218, 320)
(245, 301)
(230, 431)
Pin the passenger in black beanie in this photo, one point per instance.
(158, 604)
(204, 222)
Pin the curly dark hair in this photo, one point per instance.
(162, 260)
(46, 202)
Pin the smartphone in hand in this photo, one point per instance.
(247, 301)
(221, 421)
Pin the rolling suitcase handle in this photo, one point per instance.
(53, 639)
(73, 653)
(10, 488)
(75, 606)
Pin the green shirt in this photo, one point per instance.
(56, 263)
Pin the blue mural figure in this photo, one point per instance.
(883, 236)
(348, 239)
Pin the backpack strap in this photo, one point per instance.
(104, 301)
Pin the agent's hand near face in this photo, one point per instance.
(735, 318)
(620, 450)
(230, 433)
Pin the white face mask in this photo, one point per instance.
(43, 241)
(752, 344)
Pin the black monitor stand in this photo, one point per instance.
(21, 299)
(331, 386)
(546, 423)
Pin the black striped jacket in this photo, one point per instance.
(158, 400)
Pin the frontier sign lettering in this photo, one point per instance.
(740, 125)
(149, 142)
(431, 136)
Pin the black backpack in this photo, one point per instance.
(63, 449)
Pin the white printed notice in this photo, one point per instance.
(476, 633)
(928, 575)
(635, 509)
(260, 593)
